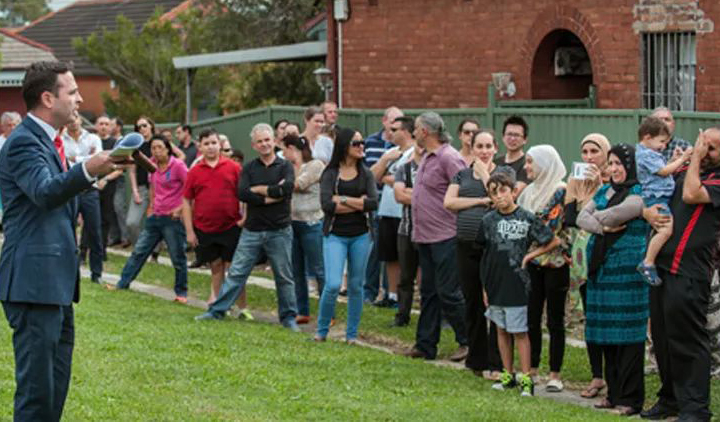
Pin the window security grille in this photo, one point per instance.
(669, 63)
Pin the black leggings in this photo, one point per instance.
(548, 285)
(483, 350)
(594, 351)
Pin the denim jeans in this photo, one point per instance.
(135, 214)
(336, 250)
(307, 258)
(375, 269)
(440, 296)
(156, 229)
(277, 244)
(89, 207)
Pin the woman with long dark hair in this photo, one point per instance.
(617, 297)
(165, 223)
(307, 217)
(348, 193)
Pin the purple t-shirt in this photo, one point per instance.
(168, 187)
(432, 223)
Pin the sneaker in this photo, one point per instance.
(180, 299)
(527, 387)
(506, 381)
(291, 325)
(302, 319)
(205, 317)
(649, 274)
(246, 315)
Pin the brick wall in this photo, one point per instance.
(91, 89)
(441, 53)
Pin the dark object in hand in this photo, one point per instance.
(144, 162)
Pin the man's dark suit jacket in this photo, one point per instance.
(39, 262)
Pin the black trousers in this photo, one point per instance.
(409, 262)
(43, 339)
(548, 285)
(483, 351)
(678, 314)
(594, 351)
(440, 296)
(107, 213)
(624, 374)
(91, 237)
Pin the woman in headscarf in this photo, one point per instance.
(549, 273)
(594, 149)
(617, 297)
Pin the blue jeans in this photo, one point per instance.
(159, 228)
(375, 269)
(307, 258)
(336, 250)
(89, 207)
(277, 245)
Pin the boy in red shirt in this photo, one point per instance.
(211, 211)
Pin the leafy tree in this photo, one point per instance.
(18, 13)
(140, 62)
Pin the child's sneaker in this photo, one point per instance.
(649, 273)
(527, 387)
(505, 382)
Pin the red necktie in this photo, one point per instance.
(61, 151)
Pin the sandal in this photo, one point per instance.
(554, 386)
(604, 404)
(649, 274)
(592, 391)
(627, 410)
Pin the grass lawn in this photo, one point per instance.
(142, 358)
(374, 326)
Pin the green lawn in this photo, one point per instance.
(142, 358)
(374, 326)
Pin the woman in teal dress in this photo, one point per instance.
(617, 298)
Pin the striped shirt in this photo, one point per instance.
(375, 147)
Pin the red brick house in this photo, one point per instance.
(442, 53)
(57, 30)
(17, 54)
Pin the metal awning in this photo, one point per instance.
(300, 51)
(11, 78)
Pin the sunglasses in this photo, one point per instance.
(227, 150)
(143, 125)
(357, 143)
(394, 129)
(467, 132)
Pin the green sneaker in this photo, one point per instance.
(245, 315)
(527, 386)
(506, 381)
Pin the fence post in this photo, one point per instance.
(492, 103)
(592, 97)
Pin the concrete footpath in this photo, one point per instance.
(569, 395)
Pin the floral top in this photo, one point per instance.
(553, 215)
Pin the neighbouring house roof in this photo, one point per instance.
(57, 29)
(18, 53)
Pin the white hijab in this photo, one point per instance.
(549, 174)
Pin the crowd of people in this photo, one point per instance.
(492, 242)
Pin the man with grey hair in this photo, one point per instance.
(433, 231)
(664, 114)
(266, 187)
(375, 146)
(8, 121)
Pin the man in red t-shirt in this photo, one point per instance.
(211, 211)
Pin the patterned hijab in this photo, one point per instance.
(549, 174)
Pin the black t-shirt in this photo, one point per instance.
(517, 165)
(142, 174)
(469, 219)
(354, 223)
(690, 251)
(506, 239)
(190, 153)
(108, 143)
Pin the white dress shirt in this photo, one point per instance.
(52, 133)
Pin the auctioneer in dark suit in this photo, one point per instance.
(39, 273)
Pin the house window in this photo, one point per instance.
(669, 63)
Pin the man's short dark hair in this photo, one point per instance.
(187, 128)
(206, 133)
(501, 178)
(653, 127)
(279, 122)
(101, 116)
(516, 120)
(406, 123)
(41, 77)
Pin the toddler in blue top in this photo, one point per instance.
(658, 184)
